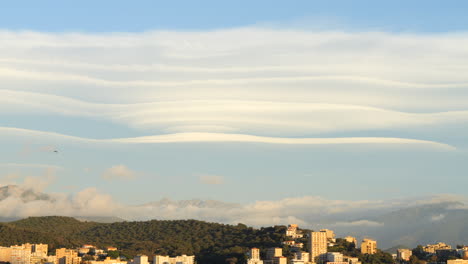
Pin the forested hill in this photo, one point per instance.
(210, 242)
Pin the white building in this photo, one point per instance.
(184, 259)
(293, 232)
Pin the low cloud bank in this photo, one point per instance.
(19, 201)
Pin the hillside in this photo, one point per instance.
(210, 242)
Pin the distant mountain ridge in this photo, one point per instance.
(417, 225)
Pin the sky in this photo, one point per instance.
(248, 103)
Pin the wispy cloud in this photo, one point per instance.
(223, 137)
(360, 223)
(31, 165)
(119, 172)
(211, 179)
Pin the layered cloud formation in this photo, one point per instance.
(255, 82)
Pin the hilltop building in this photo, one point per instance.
(432, 248)
(351, 239)
(368, 246)
(293, 232)
(318, 246)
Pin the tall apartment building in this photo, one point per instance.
(318, 246)
(67, 256)
(20, 254)
(184, 259)
(368, 246)
(351, 239)
(5, 254)
(254, 256)
(404, 254)
(40, 250)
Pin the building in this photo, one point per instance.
(301, 258)
(334, 257)
(351, 260)
(351, 239)
(431, 248)
(67, 256)
(404, 254)
(108, 260)
(463, 253)
(40, 249)
(318, 246)
(184, 259)
(305, 256)
(457, 261)
(140, 259)
(5, 254)
(274, 252)
(293, 231)
(50, 260)
(20, 254)
(254, 256)
(368, 246)
(280, 260)
(330, 234)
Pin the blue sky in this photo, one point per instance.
(105, 16)
(238, 101)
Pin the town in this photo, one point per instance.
(322, 247)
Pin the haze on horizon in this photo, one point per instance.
(330, 109)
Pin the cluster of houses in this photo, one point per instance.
(89, 254)
(319, 242)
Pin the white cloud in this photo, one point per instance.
(211, 179)
(437, 218)
(282, 83)
(120, 172)
(308, 211)
(368, 223)
(239, 138)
